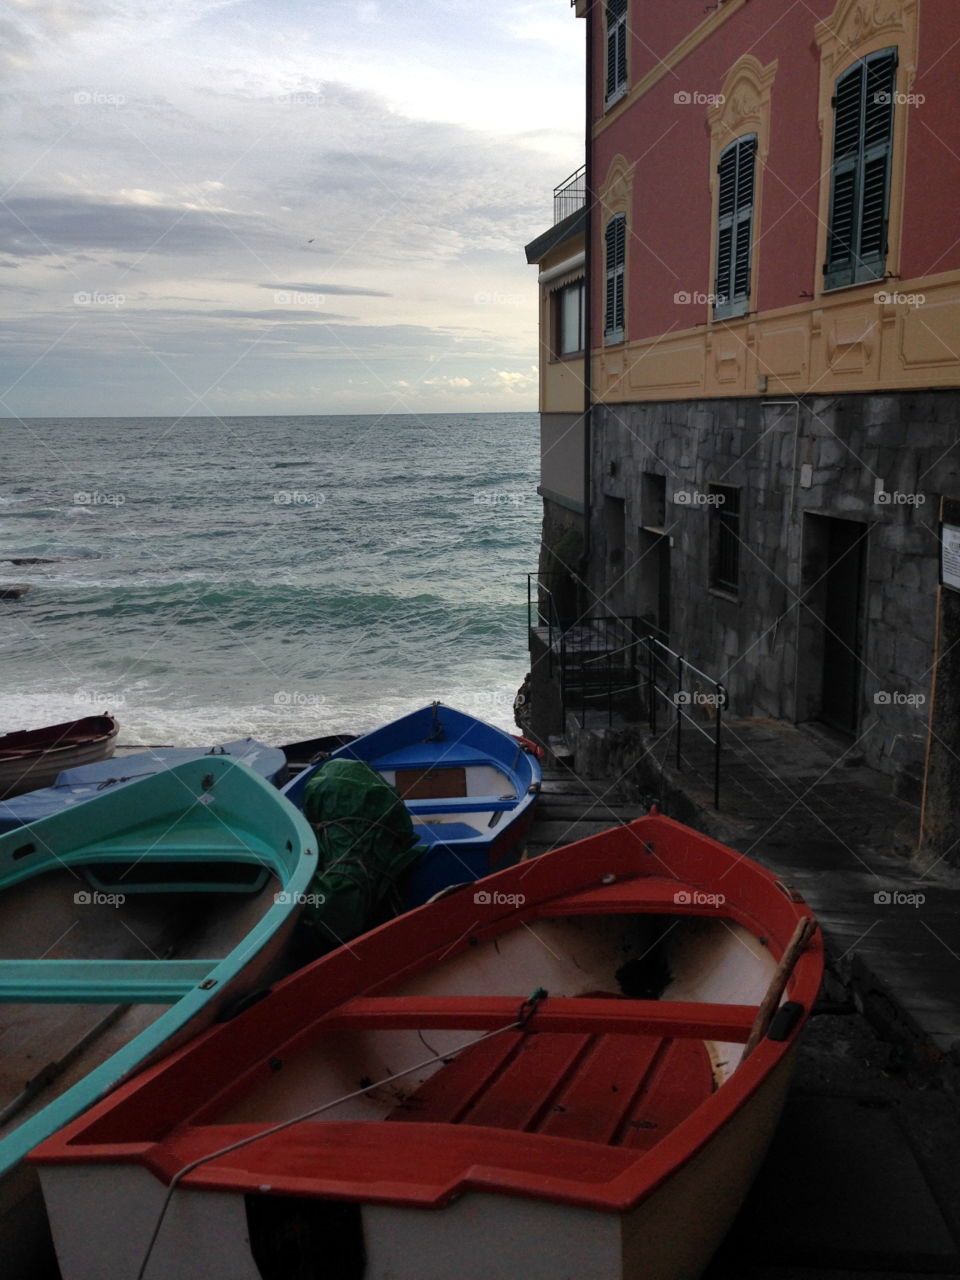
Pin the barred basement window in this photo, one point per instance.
(737, 170)
(860, 184)
(725, 538)
(616, 50)
(616, 251)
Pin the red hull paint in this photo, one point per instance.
(167, 1117)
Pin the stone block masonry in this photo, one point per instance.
(833, 615)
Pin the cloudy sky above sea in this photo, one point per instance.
(272, 206)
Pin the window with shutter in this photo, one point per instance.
(860, 186)
(616, 248)
(616, 50)
(737, 179)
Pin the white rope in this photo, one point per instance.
(308, 1115)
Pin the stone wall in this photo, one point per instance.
(873, 459)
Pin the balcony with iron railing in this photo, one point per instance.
(570, 195)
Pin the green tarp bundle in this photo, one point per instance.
(366, 841)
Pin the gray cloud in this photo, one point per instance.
(335, 289)
(33, 226)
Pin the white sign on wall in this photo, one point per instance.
(950, 556)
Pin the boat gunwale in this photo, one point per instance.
(261, 1036)
(293, 867)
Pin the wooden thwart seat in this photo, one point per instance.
(586, 1015)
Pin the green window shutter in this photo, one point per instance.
(737, 177)
(616, 245)
(616, 47)
(860, 186)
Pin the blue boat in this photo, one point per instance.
(168, 900)
(74, 786)
(470, 789)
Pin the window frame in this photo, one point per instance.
(557, 318)
(617, 275)
(726, 523)
(839, 273)
(737, 303)
(616, 68)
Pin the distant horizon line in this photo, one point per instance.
(433, 413)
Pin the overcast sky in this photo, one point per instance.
(273, 206)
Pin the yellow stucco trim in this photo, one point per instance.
(857, 28)
(666, 65)
(616, 191)
(884, 335)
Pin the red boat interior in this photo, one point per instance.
(620, 1090)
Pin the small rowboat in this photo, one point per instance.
(32, 758)
(569, 1071)
(166, 900)
(470, 789)
(74, 786)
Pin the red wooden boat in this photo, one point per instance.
(567, 1071)
(32, 758)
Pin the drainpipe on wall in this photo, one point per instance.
(588, 291)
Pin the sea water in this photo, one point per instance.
(279, 577)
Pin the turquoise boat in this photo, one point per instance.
(170, 901)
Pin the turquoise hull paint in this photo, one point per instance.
(209, 810)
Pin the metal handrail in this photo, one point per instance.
(681, 699)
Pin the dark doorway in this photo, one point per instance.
(843, 639)
(832, 628)
(653, 582)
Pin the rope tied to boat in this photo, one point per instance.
(525, 1012)
(529, 1006)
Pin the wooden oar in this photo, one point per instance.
(771, 1001)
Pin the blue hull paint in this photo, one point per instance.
(443, 738)
(88, 781)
